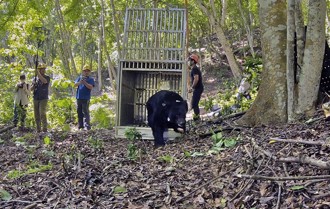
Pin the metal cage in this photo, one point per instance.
(152, 59)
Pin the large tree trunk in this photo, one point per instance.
(290, 62)
(270, 106)
(223, 40)
(309, 81)
(300, 36)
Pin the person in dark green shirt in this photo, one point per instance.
(40, 88)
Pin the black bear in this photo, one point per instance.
(166, 109)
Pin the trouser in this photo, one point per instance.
(40, 109)
(83, 113)
(19, 113)
(195, 100)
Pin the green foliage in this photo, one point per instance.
(220, 143)
(167, 159)
(253, 68)
(96, 144)
(103, 117)
(227, 99)
(4, 195)
(34, 167)
(132, 151)
(216, 137)
(24, 23)
(101, 114)
(132, 135)
(48, 141)
(207, 103)
(297, 188)
(119, 189)
(219, 140)
(61, 112)
(197, 154)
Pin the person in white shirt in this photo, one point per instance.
(21, 101)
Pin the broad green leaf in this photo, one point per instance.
(219, 144)
(187, 154)
(5, 195)
(47, 141)
(217, 136)
(119, 189)
(295, 188)
(197, 154)
(230, 142)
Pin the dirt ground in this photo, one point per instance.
(267, 167)
(239, 167)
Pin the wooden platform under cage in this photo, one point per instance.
(145, 132)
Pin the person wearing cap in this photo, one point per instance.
(197, 86)
(21, 101)
(40, 88)
(84, 84)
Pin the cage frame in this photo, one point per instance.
(148, 51)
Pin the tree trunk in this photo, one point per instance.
(82, 44)
(99, 55)
(300, 37)
(115, 24)
(270, 106)
(223, 40)
(290, 61)
(66, 41)
(224, 12)
(111, 69)
(309, 81)
(247, 27)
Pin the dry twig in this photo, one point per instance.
(306, 160)
(283, 178)
(298, 141)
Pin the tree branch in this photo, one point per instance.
(307, 160)
(282, 178)
(298, 141)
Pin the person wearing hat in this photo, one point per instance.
(40, 88)
(84, 84)
(197, 86)
(21, 101)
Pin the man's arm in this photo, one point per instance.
(43, 79)
(195, 81)
(77, 83)
(88, 85)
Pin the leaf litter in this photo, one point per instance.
(92, 169)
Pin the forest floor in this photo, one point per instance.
(263, 167)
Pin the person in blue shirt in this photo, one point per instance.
(84, 84)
